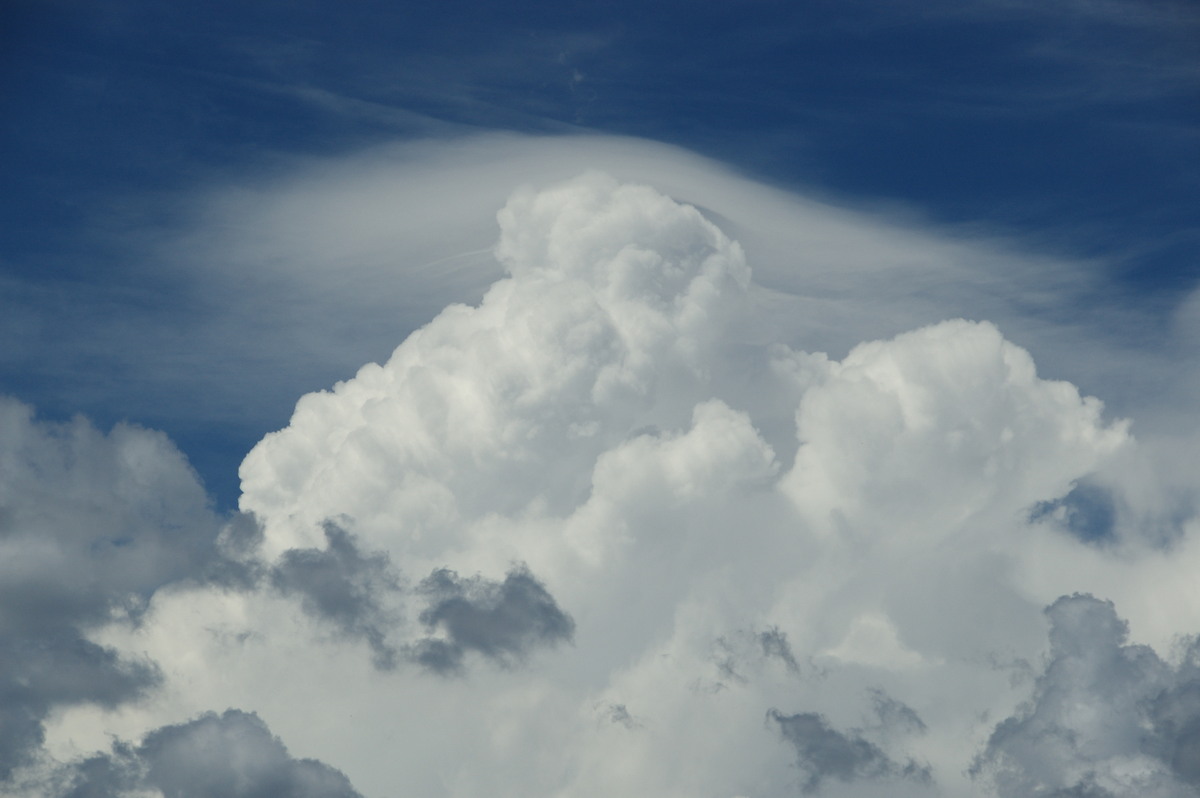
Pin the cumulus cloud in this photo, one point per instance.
(1107, 718)
(724, 522)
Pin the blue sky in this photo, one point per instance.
(391, 393)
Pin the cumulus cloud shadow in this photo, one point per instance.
(359, 594)
(55, 668)
(501, 621)
(231, 755)
(342, 586)
(825, 753)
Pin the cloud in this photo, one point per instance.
(57, 667)
(501, 621)
(231, 755)
(92, 525)
(609, 415)
(361, 595)
(1106, 718)
(346, 588)
(615, 291)
(726, 518)
(298, 277)
(825, 753)
(93, 528)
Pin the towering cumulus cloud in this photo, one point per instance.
(600, 535)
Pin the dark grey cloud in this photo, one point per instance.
(346, 588)
(502, 621)
(1105, 718)
(824, 753)
(55, 668)
(100, 776)
(360, 593)
(232, 755)
(92, 525)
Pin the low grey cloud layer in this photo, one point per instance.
(635, 509)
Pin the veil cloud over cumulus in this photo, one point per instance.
(620, 528)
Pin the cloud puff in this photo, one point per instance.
(941, 423)
(1106, 718)
(528, 389)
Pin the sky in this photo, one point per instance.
(741, 399)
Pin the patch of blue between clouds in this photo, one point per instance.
(1088, 512)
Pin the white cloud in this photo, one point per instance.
(646, 537)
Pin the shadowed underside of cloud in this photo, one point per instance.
(1106, 719)
(823, 753)
(91, 526)
(345, 588)
(232, 755)
(500, 621)
(360, 596)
